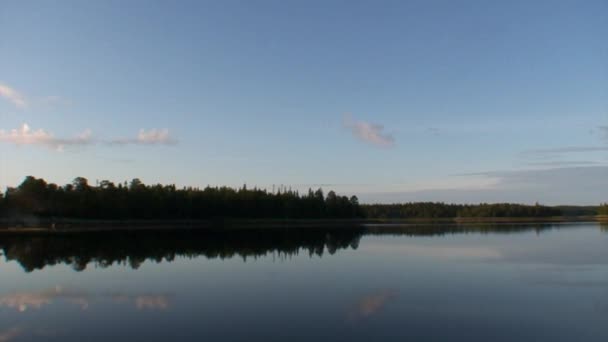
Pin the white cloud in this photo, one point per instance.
(369, 132)
(154, 136)
(150, 137)
(13, 96)
(26, 136)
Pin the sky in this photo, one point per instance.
(453, 101)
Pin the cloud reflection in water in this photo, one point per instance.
(22, 301)
(372, 304)
(9, 334)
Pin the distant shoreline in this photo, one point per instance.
(84, 226)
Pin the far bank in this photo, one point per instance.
(45, 225)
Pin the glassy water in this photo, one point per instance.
(432, 283)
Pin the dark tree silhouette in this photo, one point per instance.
(34, 197)
(134, 248)
(443, 210)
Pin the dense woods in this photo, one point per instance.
(603, 209)
(135, 200)
(443, 210)
(34, 197)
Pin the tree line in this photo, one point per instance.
(603, 209)
(34, 197)
(136, 200)
(444, 210)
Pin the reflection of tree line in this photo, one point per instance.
(134, 248)
(437, 230)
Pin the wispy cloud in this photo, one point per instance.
(555, 163)
(567, 149)
(433, 130)
(558, 185)
(26, 136)
(370, 133)
(150, 137)
(13, 96)
(604, 130)
(573, 149)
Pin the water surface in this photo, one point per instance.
(499, 283)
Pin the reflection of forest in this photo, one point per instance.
(446, 229)
(135, 247)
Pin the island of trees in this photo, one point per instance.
(134, 200)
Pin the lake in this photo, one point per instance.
(538, 282)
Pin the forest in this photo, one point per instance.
(34, 197)
(443, 210)
(135, 200)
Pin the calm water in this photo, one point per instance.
(502, 283)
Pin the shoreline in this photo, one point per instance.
(46, 226)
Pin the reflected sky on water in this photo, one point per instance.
(499, 283)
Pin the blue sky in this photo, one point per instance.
(392, 100)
